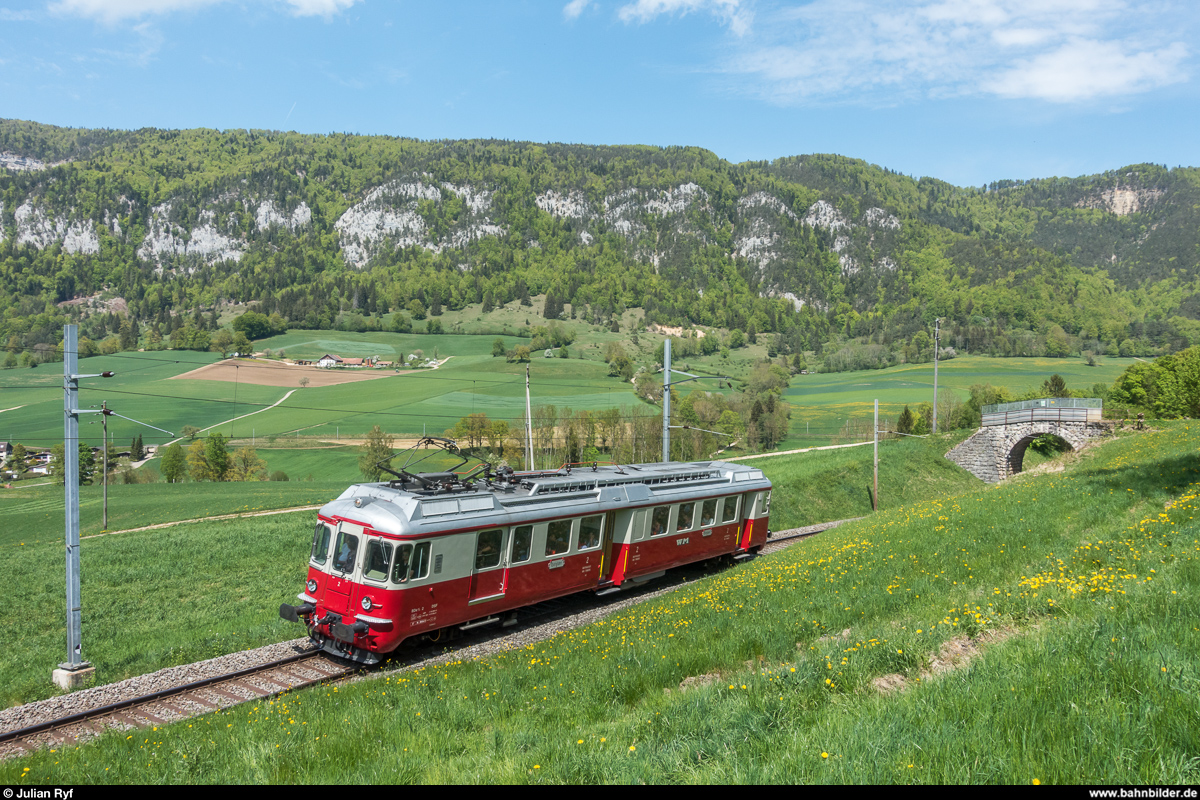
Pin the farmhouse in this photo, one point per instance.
(328, 361)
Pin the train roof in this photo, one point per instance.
(401, 509)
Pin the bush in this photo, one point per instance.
(279, 475)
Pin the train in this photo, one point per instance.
(431, 554)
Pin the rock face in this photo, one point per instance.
(392, 215)
(20, 163)
(36, 227)
(1122, 201)
(268, 214)
(166, 240)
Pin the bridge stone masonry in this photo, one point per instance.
(997, 450)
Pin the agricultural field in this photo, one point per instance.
(162, 388)
(1040, 631)
(823, 403)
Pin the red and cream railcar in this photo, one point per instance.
(391, 561)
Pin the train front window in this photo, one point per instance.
(379, 553)
(320, 546)
(487, 549)
(346, 552)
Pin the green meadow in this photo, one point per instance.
(412, 402)
(1040, 631)
(823, 403)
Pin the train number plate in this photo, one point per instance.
(556, 563)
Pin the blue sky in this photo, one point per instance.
(969, 91)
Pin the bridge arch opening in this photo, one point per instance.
(1044, 446)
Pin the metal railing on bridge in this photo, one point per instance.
(1045, 409)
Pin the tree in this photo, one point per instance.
(906, 421)
(1055, 387)
(137, 450)
(498, 348)
(58, 464)
(434, 326)
(241, 344)
(304, 383)
(401, 322)
(222, 342)
(245, 465)
(376, 452)
(218, 456)
(174, 464)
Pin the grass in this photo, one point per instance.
(1081, 585)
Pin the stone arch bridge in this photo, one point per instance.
(997, 450)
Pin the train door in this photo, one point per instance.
(489, 577)
(339, 587)
(607, 551)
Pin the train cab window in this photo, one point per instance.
(729, 512)
(346, 552)
(320, 547)
(487, 549)
(420, 561)
(558, 537)
(400, 565)
(659, 521)
(522, 544)
(590, 529)
(708, 513)
(686, 511)
(379, 554)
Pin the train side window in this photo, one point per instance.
(522, 543)
(379, 554)
(487, 549)
(658, 522)
(400, 565)
(347, 552)
(420, 561)
(558, 537)
(729, 512)
(320, 547)
(590, 529)
(686, 511)
(708, 513)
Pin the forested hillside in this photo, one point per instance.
(831, 255)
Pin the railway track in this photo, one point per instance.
(178, 703)
(305, 669)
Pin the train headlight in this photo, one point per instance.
(366, 604)
(312, 586)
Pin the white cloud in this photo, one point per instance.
(116, 10)
(324, 8)
(573, 9)
(1081, 70)
(111, 11)
(730, 11)
(877, 51)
